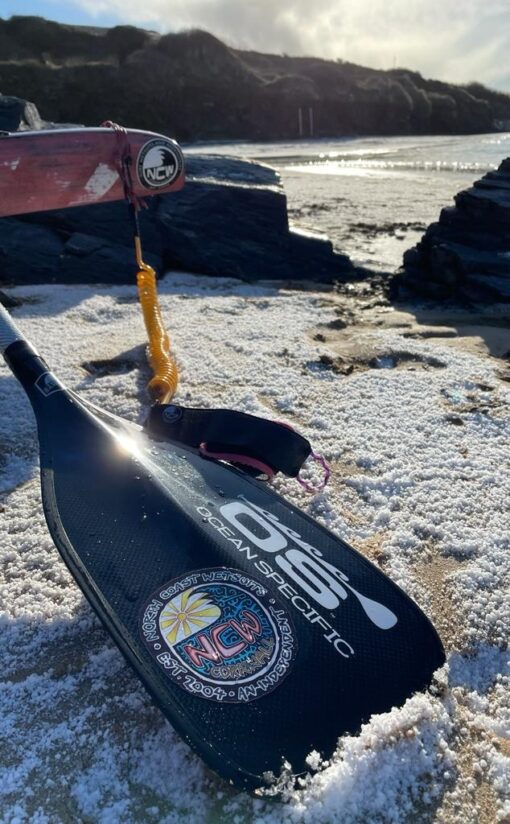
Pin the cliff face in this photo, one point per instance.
(193, 86)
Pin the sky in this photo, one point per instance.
(453, 40)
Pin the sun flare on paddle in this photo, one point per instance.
(186, 614)
(127, 443)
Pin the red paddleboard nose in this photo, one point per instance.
(60, 168)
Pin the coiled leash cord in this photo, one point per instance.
(163, 384)
(259, 446)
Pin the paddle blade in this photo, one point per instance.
(260, 635)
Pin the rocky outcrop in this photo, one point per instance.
(229, 220)
(467, 252)
(195, 87)
(18, 115)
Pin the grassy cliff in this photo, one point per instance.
(195, 87)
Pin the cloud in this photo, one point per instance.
(439, 38)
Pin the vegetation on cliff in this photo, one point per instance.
(193, 86)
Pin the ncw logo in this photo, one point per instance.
(225, 641)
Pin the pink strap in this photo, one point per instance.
(318, 459)
(327, 472)
(232, 457)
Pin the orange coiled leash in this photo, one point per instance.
(257, 445)
(163, 384)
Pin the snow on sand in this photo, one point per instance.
(421, 484)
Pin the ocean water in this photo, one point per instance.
(374, 197)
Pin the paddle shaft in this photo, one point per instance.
(9, 332)
(25, 362)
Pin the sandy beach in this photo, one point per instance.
(409, 404)
(365, 160)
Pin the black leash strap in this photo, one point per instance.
(265, 447)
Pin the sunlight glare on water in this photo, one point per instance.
(373, 196)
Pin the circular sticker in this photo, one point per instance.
(219, 634)
(160, 162)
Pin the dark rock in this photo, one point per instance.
(484, 285)
(108, 221)
(456, 225)
(501, 182)
(312, 257)
(38, 254)
(231, 228)
(28, 254)
(229, 220)
(493, 204)
(469, 260)
(222, 169)
(88, 259)
(466, 254)
(226, 229)
(18, 115)
(8, 301)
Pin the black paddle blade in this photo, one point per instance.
(259, 634)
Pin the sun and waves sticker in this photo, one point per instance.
(220, 635)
